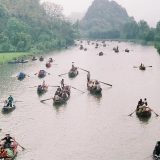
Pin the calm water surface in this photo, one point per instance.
(87, 127)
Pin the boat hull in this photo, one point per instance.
(14, 62)
(142, 68)
(143, 114)
(72, 73)
(9, 108)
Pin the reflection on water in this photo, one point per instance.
(87, 126)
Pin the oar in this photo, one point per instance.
(46, 99)
(54, 64)
(105, 83)
(18, 101)
(47, 72)
(148, 66)
(33, 87)
(131, 113)
(63, 74)
(135, 67)
(19, 145)
(54, 86)
(77, 89)
(35, 73)
(83, 69)
(27, 75)
(154, 112)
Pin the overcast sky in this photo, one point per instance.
(148, 10)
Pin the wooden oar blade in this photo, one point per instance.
(135, 66)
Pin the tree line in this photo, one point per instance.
(27, 25)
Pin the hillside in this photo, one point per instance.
(104, 15)
(27, 25)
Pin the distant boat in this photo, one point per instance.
(17, 61)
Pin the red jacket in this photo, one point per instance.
(3, 154)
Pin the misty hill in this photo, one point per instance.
(74, 16)
(104, 15)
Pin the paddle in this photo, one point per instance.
(105, 83)
(148, 66)
(18, 101)
(54, 86)
(131, 113)
(33, 87)
(27, 75)
(63, 74)
(77, 89)
(135, 67)
(35, 73)
(154, 112)
(83, 69)
(46, 99)
(19, 145)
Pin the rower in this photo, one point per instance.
(73, 68)
(62, 83)
(88, 76)
(145, 102)
(10, 100)
(8, 140)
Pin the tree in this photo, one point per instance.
(158, 26)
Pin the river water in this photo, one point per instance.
(87, 127)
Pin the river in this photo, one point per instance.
(87, 127)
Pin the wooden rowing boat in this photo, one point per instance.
(21, 76)
(9, 108)
(61, 100)
(41, 73)
(142, 68)
(73, 73)
(126, 50)
(144, 113)
(155, 154)
(34, 58)
(100, 53)
(41, 89)
(92, 88)
(14, 62)
(41, 59)
(48, 65)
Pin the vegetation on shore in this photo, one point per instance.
(28, 26)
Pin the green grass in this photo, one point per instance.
(5, 57)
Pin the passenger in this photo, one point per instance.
(98, 86)
(10, 100)
(141, 65)
(88, 77)
(140, 103)
(8, 140)
(157, 149)
(145, 102)
(64, 95)
(56, 97)
(62, 83)
(140, 108)
(3, 153)
(59, 89)
(42, 71)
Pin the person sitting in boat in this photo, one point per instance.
(64, 95)
(156, 151)
(3, 153)
(40, 88)
(145, 102)
(8, 141)
(59, 89)
(98, 86)
(88, 77)
(56, 97)
(141, 65)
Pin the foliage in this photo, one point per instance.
(26, 25)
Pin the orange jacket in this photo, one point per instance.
(3, 154)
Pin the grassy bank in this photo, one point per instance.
(5, 57)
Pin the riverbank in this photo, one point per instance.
(5, 57)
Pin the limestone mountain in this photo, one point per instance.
(104, 14)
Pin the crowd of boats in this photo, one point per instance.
(63, 94)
